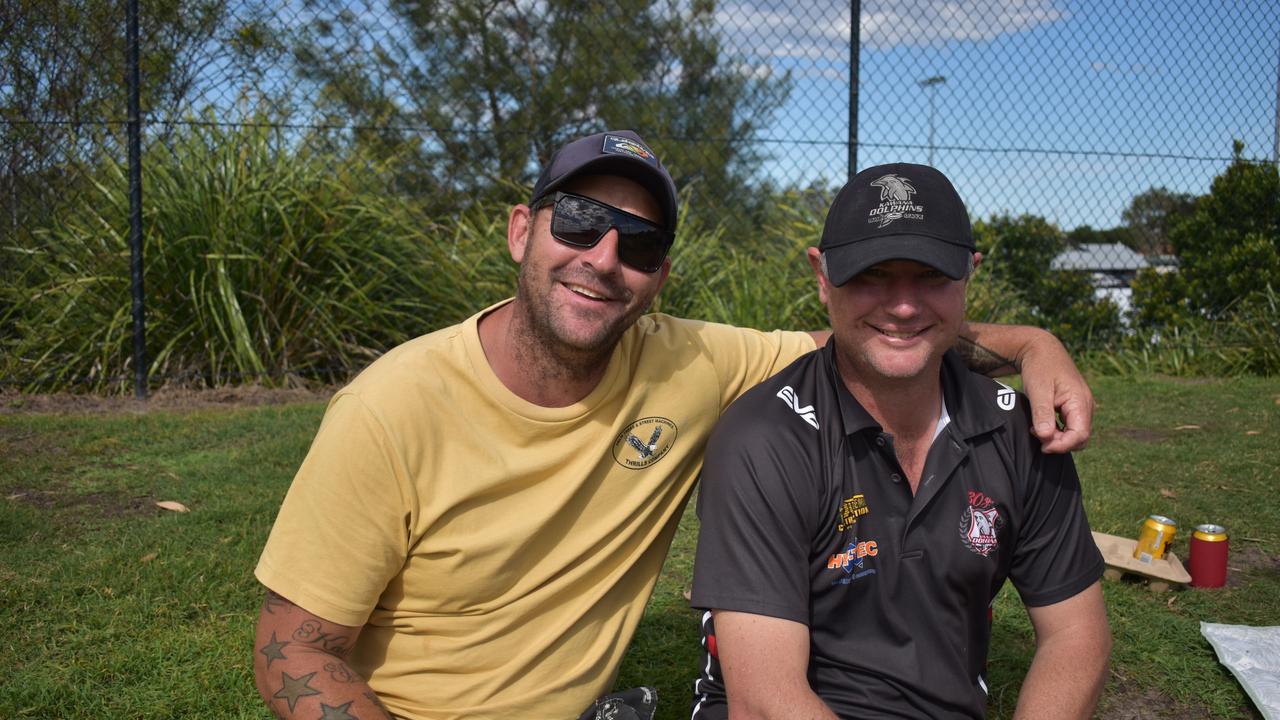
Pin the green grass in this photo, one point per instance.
(114, 608)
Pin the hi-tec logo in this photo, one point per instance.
(644, 442)
(806, 413)
(895, 201)
(1006, 397)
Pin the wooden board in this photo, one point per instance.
(1117, 553)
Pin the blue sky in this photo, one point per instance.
(1063, 109)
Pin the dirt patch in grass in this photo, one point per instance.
(1142, 435)
(71, 507)
(1126, 700)
(1245, 558)
(166, 398)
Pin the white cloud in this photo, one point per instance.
(814, 30)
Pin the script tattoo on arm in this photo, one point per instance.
(311, 632)
(341, 673)
(981, 359)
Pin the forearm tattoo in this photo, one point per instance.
(981, 359)
(311, 632)
(274, 650)
(295, 687)
(273, 601)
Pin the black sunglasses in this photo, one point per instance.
(581, 222)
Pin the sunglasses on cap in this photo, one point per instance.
(580, 222)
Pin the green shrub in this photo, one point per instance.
(1018, 251)
(1244, 340)
(261, 261)
(1229, 247)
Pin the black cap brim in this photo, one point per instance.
(846, 261)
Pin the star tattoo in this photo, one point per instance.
(295, 687)
(336, 713)
(274, 649)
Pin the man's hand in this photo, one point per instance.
(1049, 378)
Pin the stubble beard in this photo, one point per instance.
(544, 341)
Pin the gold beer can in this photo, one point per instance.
(1157, 533)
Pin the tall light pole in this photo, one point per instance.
(929, 84)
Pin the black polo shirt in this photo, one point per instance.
(806, 515)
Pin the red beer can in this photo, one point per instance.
(1208, 563)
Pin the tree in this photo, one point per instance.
(1089, 235)
(1151, 215)
(62, 82)
(1229, 247)
(1019, 252)
(474, 93)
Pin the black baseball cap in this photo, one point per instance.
(900, 211)
(615, 152)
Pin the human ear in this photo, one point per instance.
(519, 227)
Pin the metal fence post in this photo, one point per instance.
(135, 205)
(855, 43)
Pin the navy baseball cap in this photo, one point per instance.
(615, 152)
(900, 211)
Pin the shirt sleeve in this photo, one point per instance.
(1056, 557)
(342, 531)
(743, 357)
(755, 508)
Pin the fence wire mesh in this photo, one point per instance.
(1103, 117)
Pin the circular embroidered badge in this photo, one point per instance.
(644, 442)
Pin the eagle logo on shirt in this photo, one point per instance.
(644, 442)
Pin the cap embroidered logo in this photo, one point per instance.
(895, 201)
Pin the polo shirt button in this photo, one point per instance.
(880, 440)
(895, 477)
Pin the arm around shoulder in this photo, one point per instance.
(1073, 646)
(300, 664)
(1049, 377)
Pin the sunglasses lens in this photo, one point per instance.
(582, 222)
(643, 248)
(578, 221)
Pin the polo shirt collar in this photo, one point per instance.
(970, 400)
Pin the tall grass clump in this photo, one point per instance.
(1243, 340)
(262, 261)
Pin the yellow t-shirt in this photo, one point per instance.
(500, 553)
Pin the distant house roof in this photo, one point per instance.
(1099, 257)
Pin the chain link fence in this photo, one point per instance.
(1103, 118)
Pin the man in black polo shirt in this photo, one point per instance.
(861, 509)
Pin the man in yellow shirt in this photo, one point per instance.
(484, 511)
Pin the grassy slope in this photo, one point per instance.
(114, 608)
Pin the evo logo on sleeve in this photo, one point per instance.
(806, 413)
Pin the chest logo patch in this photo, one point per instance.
(644, 442)
(850, 510)
(853, 561)
(980, 524)
(1006, 398)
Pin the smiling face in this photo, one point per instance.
(893, 321)
(575, 303)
